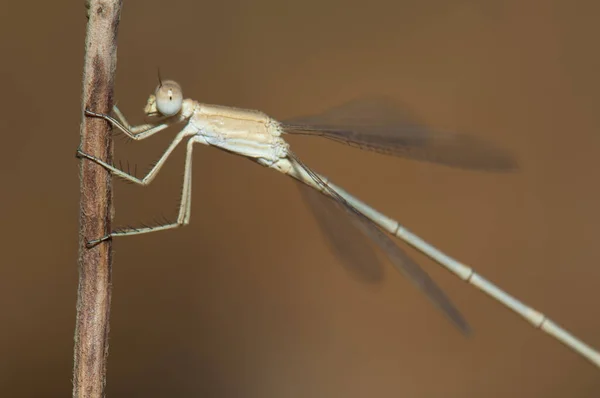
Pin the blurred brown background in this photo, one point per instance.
(248, 301)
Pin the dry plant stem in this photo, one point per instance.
(94, 292)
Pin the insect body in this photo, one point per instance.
(373, 125)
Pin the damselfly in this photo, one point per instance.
(369, 124)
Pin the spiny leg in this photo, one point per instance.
(183, 217)
(134, 132)
(126, 124)
(186, 200)
(151, 174)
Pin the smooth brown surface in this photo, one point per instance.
(248, 301)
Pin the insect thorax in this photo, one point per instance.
(245, 132)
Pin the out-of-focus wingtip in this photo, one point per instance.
(512, 165)
(508, 164)
(466, 330)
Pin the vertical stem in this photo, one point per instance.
(94, 292)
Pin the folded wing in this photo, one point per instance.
(378, 124)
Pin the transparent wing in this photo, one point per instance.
(345, 241)
(380, 125)
(399, 259)
(413, 272)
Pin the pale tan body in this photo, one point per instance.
(245, 132)
(257, 136)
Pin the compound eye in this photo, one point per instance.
(169, 98)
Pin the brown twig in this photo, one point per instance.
(94, 293)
